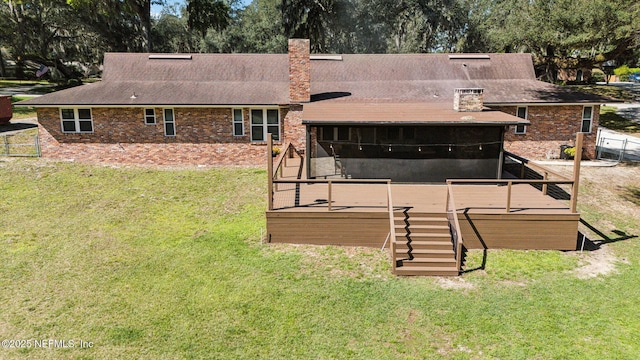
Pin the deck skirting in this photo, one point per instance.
(532, 231)
(368, 229)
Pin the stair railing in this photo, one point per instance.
(454, 225)
(392, 228)
(276, 167)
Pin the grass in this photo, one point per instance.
(613, 121)
(168, 264)
(617, 92)
(20, 112)
(10, 83)
(22, 143)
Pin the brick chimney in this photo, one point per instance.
(468, 99)
(299, 71)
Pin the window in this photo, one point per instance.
(265, 121)
(238, 123)
(76, 120)
(521, 113)
(587, 119)
(150, 116)
(169, 123)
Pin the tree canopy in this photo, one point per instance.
(68, 35)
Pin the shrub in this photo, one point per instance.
(624, 71)
(570, 151)
(597, 75)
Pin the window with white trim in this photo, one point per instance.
(238, 123)
(76, 120)
(264, 121)
(522, 113)
(587, 119)
(169, 123)
(150, 116)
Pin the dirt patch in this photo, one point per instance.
(601, 262)
(456, 283)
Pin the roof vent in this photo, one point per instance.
(469, 57)
(327, 57)
(170, 57)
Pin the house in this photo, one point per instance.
(218, 109)
(406, 151)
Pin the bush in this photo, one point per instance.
(624, 71)
(597, 76)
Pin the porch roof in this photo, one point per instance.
(399, 113)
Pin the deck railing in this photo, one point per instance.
(509, 183)
(330, 186)
(454, 225)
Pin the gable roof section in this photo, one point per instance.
(505, 78)
(204, 79)
(263, 79)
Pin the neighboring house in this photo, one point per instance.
(579, 74)
(368, 110)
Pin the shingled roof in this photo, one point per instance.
(181, 80)
(263, 79)
(505, 78)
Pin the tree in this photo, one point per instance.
(170, 34)
(559, 33)
(310, 19)
(125, 25)
(421, 25)
(207, 14)
(43, 31)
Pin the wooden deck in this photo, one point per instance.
(358, 215)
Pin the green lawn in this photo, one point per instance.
(617, 92)
(613, 121)
(169, 264)
(20, 112)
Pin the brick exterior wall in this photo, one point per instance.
(299, 70)
(551, 126)
(204, 136)
(293, 130)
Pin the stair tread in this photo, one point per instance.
(423, 242)
(403, 236)
(430, 251)
(423, 227)
(427, 270)
(431, 259)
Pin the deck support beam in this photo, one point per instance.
(270, 171)
(576, 172)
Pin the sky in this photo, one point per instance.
(156, 9)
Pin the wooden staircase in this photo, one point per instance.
(423, 245)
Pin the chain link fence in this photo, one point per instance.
(618, 149)
(20, 144)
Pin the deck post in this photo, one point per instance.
(329, 195)
(509, 196)
(545, 177)
(576, 172)
(270, 171)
